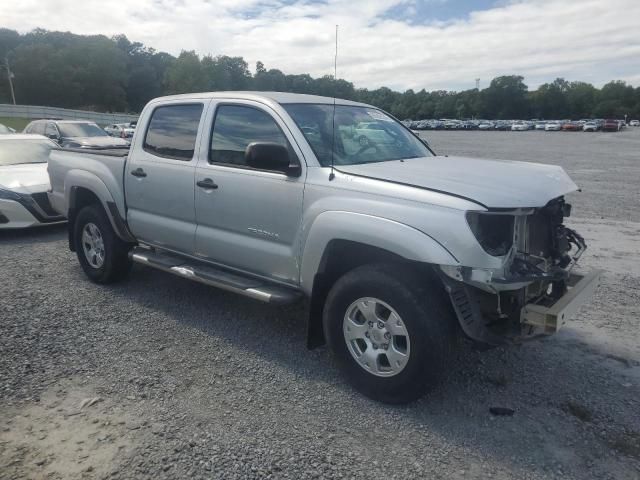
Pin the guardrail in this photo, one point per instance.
(38, 112)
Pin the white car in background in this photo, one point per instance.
(553, 127)
(122, 130)
(519, 127)
(486, 126)
(634, 123)
(540, 125)
(368, 133)
(590, 127)
(24, 181)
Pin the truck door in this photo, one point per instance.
(248, 219)
(159, 176)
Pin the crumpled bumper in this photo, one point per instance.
(548, 318)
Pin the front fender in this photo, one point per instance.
(378, 232)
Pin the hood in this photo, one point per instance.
(492, 183)
(25, 178)
(97, 141)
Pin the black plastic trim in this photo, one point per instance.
(106, 151)
(27, 202)
(121, 227)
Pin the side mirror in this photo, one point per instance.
(52, 136)
(270, 156)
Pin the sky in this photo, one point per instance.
(401, 44)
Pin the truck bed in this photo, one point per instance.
(101, 171)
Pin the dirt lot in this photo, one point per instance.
(158, 377)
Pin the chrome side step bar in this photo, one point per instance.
(216, 277)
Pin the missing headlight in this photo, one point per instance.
(494, 232)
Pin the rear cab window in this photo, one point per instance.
(172, 131)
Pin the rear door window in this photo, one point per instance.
(173, 130)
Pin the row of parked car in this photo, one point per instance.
(586, 125)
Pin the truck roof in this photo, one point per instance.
(267, 97)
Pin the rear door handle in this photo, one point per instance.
(138, 172)
(207, 183)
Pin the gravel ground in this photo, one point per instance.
(158, 377)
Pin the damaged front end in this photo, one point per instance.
(534, 292)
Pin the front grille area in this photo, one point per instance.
(42, 200)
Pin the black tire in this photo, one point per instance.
(116, 264)
(421, 301)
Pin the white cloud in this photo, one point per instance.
(587, 40)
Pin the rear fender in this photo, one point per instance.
(78, 180)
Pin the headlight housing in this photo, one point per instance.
(494, 231)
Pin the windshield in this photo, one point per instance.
(14, 152)
(81, 130)
(362, 134)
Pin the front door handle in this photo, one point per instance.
(138, 172)
(207, 183)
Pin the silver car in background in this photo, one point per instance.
(75, 134)
(122, 130)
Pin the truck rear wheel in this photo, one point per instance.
(391, 331)
(103, 256)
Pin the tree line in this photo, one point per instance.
(117, 75)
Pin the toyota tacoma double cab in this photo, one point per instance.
(278, 197)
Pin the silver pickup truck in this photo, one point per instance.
(281, 196)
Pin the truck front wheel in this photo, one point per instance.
(103, 256)
(391, 331)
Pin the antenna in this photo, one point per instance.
(332, 175)
(335, 58)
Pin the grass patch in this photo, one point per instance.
(17, 123)
(579, 411)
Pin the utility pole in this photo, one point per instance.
(10, 78)
(477, 84)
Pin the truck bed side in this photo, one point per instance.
(94, 173)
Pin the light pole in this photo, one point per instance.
(10, 78)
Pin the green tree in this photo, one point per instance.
(506, 98)
(226, 73)
(550, 100)
(581, 99)
(616, 99)
(186, 74)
